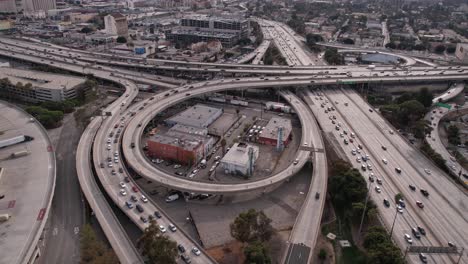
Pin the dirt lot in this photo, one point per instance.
(230, 253)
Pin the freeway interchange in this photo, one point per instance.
(445, 211)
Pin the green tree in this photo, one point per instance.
(94, 250)
(256, 253)
(121, 39)
(380, 248)
(346, 186)
(251, 226)
(398, 197)
(453, 135)
(333, 57)
(451, 49)
(157, 247)
(425, 97)
(223, 145)
(390, 45)
(322, 255)
(439, 49)
(86, 30)
(348, 41)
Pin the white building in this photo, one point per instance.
(116, 24)
(43, 86)
(237, 160)
(29, 6)
(462, 52)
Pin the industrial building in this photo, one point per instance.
(179, 144)
(116, 24)
(197, 116)
(227, 40)
(39, 86)
(277, 132)
(240, 159)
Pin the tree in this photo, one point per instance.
(439, 49)
(251, 226)
(223, 145)
(398, 197)
(333, 57)
(390, 45)
(451, 49)
(93, 250)
(346, 186)
(121, 39)
(157, 247)
(256, 253)
(312, 39)
(425, 97)
(348, 41)
(453, 135)
(322, 255)
(86, 30)
(380, 248)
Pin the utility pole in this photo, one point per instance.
(394, 220)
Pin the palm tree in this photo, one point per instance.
(223, 145)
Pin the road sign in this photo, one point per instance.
(444, 105)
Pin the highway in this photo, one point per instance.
(451, 93)
(441, 221)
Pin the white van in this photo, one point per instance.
(172, 198)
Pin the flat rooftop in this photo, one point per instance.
(184, 141)
(40, 79)
(195, 116)
(271, 129)
(239, 154)
(212, 34)
(28, 185)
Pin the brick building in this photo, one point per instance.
(269, 135)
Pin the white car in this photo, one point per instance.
(377, 189)
(122, 185)
(123, 192)
(384, 161)
(196, 251)
(192, 175)
(408, 239)
(144, 199)
(108, 147)
(172, 227)
(358, 159)
(428, 171)
(399, 209)
(162, 229)
(353, 152)
(177, 166)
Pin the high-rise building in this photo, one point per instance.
(116, 24)
(15, 6)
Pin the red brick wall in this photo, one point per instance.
(170, 152)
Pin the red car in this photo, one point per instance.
(135, 189)
(420, 204)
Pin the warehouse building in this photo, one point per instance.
(39, 86)
(197, 116)
(271, 132)
(182, 144)
(240, 159)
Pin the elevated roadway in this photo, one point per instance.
(451, 93)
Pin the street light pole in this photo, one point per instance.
(365, 207)
(393, 224)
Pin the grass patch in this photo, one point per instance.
(352, 255)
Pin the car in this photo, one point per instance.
(359, 146)
(122, 185)
(384, 147)
(296, 161)
(181, 248)
(451, 244)
(144, 199)
(317, 195)
(385, 161)
(162, 229)
(217, 158)
(305, 144)
(425, 192)
(192, 175)
(113, 172)
(133, 198)
(341, 135)
(363, 167)
(129, 204)
(398, 170)
(185, 258)
(401, 202)
(353, 152)
(422, 231)
(416, 233)
(196, 251)
(177, 166)
(370, 110)
(121, 170)
(427, 171)
(377, 189)
(423, 257)
(390, 132)
(123, 192)
(420, 204)
(144, 219)
(110, 165)
(412, 187)
(101, 165)
(139, 208)
(399, 209)
(386, 202)
(371, 178)
(358, 159)
(157, 214)
(179, 173)
(172, 227)
(408, 239)
(134, 189)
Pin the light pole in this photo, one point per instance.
(393, 224)
(365, 207)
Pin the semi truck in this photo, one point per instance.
(14, 140)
